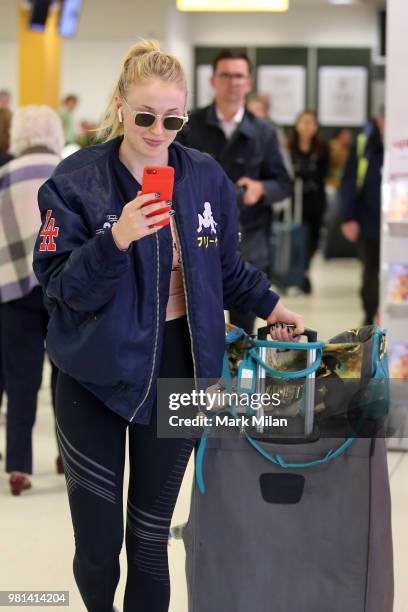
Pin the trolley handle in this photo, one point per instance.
(310, 334)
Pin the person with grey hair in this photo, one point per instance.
(36, 142)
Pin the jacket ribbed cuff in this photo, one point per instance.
(110, 249)
(266, 304)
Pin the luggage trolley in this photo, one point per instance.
(307, 530)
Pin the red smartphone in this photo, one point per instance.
(158, 179)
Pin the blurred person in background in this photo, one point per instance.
(36, 143)
(360, 198)
(310, 158)
(339, 147)
(87, 133)
(260, 106)
(5, 98)
(66, 113)
(247, 148)
(5, 123)
(334, 243)
(5, 156)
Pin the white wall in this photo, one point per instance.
(8, 68)
(178, 41)
(397, 89)
(90, 69)
(8, 20)
(90, 61)
(90, 65)
(121, 20)
(303, 26)
(8, 46)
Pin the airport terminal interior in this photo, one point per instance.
(340, 60)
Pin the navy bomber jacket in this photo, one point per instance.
(107, 307)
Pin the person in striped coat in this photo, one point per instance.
(36, 143)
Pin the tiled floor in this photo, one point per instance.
(36, 541)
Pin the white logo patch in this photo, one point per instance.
(110, 220)
(206, 222)
(206, 219)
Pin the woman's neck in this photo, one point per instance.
(305, 144)
(135, 162)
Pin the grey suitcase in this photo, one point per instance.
(288, 244)
(318, 539)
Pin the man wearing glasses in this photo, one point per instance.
(248, 150)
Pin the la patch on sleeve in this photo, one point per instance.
(48, 233)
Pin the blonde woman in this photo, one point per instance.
(131, 303)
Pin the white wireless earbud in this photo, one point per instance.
(120, 117)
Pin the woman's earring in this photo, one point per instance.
(120, 117)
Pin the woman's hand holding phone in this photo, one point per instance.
(134, 222)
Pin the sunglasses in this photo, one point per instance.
(173, 123)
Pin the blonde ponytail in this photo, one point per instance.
(143, 61)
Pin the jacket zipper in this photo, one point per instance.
(186, 296)
(157, 328)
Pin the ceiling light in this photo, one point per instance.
(233, 5)
(342, 1)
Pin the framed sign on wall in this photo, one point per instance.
(205, 92)
(343, 95)
(286, 87)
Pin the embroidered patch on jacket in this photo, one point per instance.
(207, 222)
(110, 220)
(48, 233)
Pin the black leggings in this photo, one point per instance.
(92, 442)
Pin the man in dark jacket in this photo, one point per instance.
(360, 196)
(248, 150)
